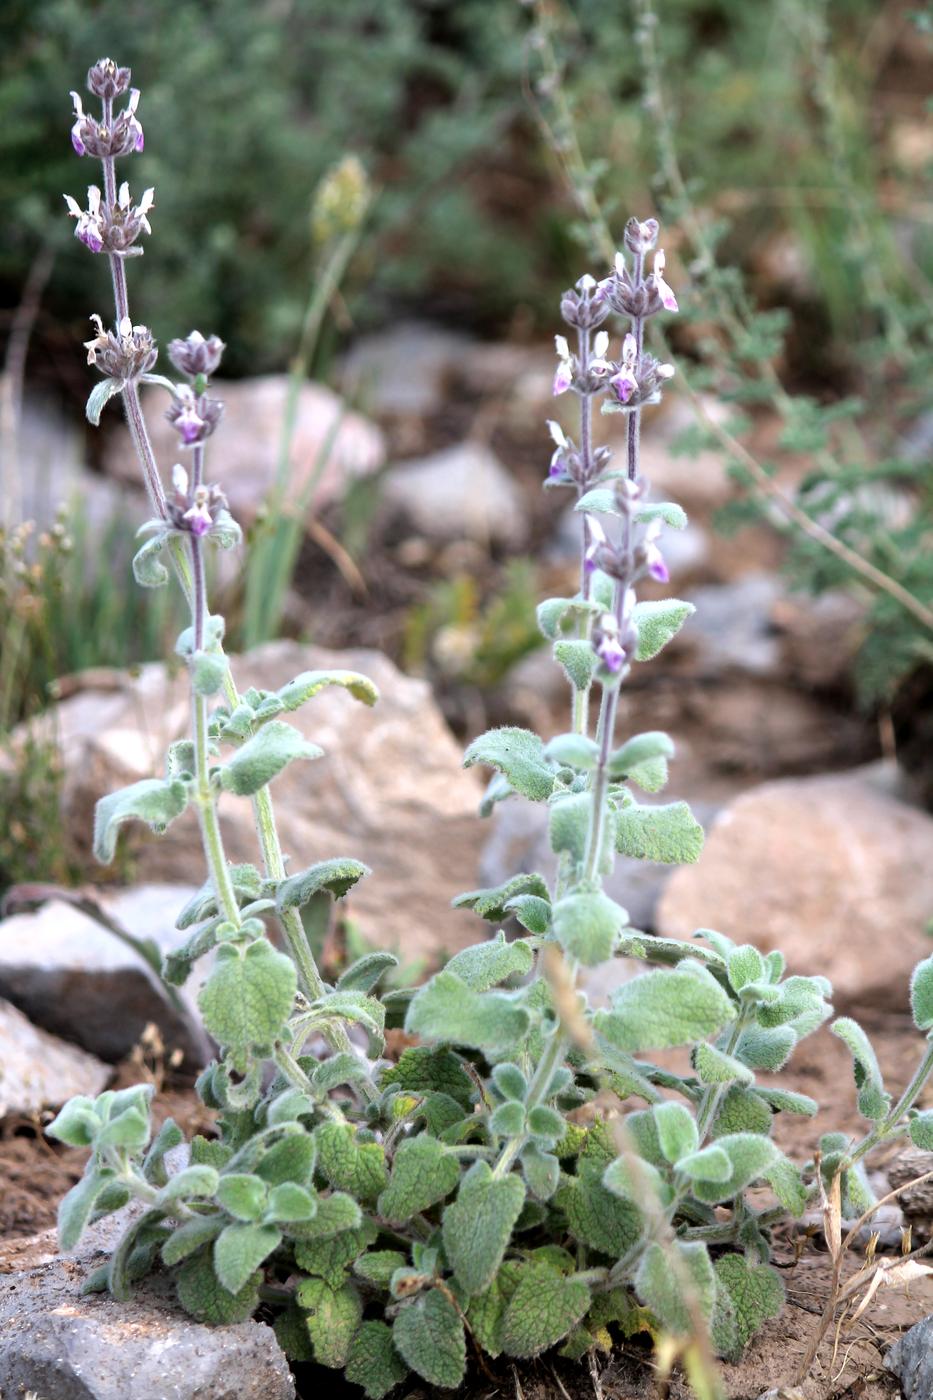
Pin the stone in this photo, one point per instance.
(834, 870)
(698, 481)
(390, 790)
(59, 1345)
(911, 1360)
(403, 371)
(732, 628)
(39, 1071)
(331, 446)
(78, 980)
(460, 491)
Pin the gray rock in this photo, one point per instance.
(404, 371)
(330, 445)
(460, 491)
(77, 980)
(39, 1071)
(911, 1360)
(733, 629)
(63, 1346)
(390, 789)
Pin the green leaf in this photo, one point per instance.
(873, 1102)
(577, 659)
(668, 833)
(661, 1009)
(543, 1308)
(486, 964)
(751, 1157)
(379, 1265)
(335, 1214)
(508, 1120)
(486, 1313)
(241, 1195)
(518, 755)
(597, 1216)
(332, 1315)
(664, 1284)
(716, 1067)
(100, 395)
(248, 996)
(788, 1185)
(446, 1009)
(349, 1165)
(129, 1129)
(587, 924)
(203, 1296)
(657, 623)
(208, 671)
(641, 749)
(677, 1130)
(264, 756)
(152, 801)
(921, 994)
(492, 904)
(755, 1292)
(336, 876)
(239, 1250)
(75, 1208)
(423, 1067)
(478, 1225)
(569, 827)
(362, 976)
(148, 569)
(669, 511)
(310, 683)
(197, 1181)
(710, 1164)
(76, 1124)
(289, 1201)
(600, 500)
(573, 751)
(373, 1362)
(742, 1111)
(557, 616)
(134, 1253)
(423, 1173)
(920, 1128)
(787, 1101)
(532, 912)
(541, 1170)
(290, 1159)
(745, 964)
(429, 1335)
(201, 1230)
(764, 1047)
(168, 1137)
(329, 1259)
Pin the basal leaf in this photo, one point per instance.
(543, 1308)
(423, 1172)
(373, 1362)
(446, 1009)
(332, 1316)
(428, 1334)
(478, 1225)
(239, 1250)
(921, 994)
(873, 1102)
(202, 1294)
(349, 1165)
(665, 1282)
(755, 1292)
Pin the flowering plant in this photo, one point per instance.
(483, 1184)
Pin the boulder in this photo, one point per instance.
(80, 981)
(390, 790)
(404, 371)
(39, 1071)
(911, 1360)
(331, 446)
(460, 491)
(56, 1344)
(834, 870)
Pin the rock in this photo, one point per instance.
(389, 791)
(732, 628)
(403, 371)
(834, 870)
(462, 490)
(698, 481)
(48, 471)
(62, 1346)
(38, 1071)
(79, 981)
(916, 1200)
(243, 457)
(911, 1360)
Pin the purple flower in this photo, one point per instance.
(624, 382)
(189, 425)
(668, 300)
(199, 515)
(133, 122)
(611, 652)
(89, 228)
(563, 377)
(654, 560)
(76, 130)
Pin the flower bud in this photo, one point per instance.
(196, 356)
(106, 80)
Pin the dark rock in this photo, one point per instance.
(911, 1360)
